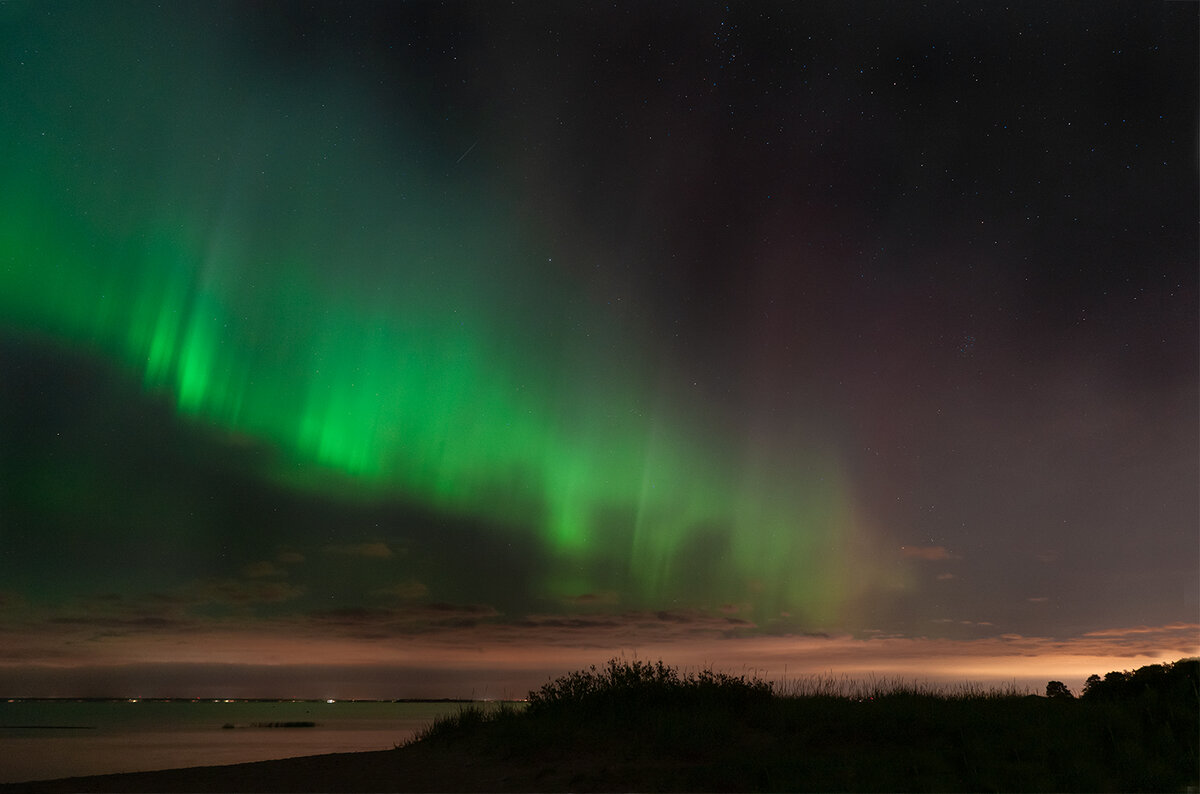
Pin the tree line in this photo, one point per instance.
(1175, 680)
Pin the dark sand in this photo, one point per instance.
(419, 767)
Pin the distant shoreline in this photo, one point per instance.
(255, 700)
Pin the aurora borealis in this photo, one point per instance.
(367, 330)
(375, 349)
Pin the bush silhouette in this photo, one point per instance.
(621, 685)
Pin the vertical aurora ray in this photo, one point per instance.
(280, 279)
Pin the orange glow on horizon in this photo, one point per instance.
(999, 660)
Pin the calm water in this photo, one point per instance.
(99, 738)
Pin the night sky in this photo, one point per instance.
(404, 349)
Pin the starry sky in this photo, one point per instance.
(427, 349)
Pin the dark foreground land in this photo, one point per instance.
(644, 727)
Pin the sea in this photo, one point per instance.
(45, 739)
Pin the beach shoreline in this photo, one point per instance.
(416, 767)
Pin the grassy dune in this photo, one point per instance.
(636, 726)
(658, 730)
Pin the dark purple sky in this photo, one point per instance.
(370, 339)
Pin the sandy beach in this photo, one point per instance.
(418, 767)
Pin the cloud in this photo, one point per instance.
(11, 601)
(235, 592)
(1037, 599)
(941, 577)
(477, 640)
(258, 570)
(347, 615)
(614, 630)
(387, 623)
(588, 624)
(929, 553)
(407, 590)
(290, 557)
(376, 550)
(607, 598)
(1134, 631)
(442, 608)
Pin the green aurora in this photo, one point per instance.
(288, 271)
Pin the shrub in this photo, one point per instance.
(620, 685)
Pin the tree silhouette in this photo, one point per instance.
(1179, 681)
(1057, 689)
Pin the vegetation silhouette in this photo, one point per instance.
(1155, 681)
(648, 726)
(1057, 689)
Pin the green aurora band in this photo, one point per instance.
(258, 255)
